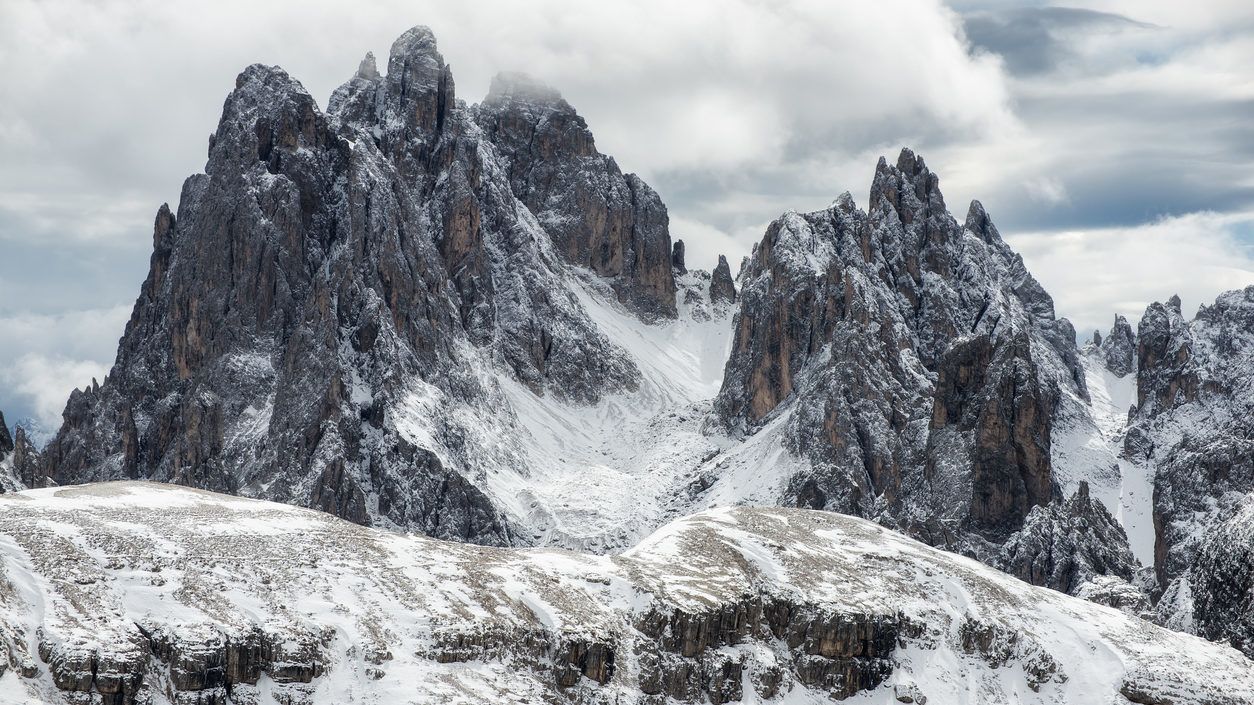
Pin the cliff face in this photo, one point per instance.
(330, 272)
(143, 593)
(1193, 427)
(1221, 580)
(919, 363)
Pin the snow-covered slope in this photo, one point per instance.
(133, 592)
(599, 477)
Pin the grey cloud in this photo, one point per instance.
(1035, 40)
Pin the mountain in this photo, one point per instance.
(19, 460)
(394, 311)
(135, 592)
(913, 360)
(325, 316)
(467, 321)
(1193, 431)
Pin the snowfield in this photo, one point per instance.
(133, 592)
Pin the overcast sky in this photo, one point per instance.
(1111, 140)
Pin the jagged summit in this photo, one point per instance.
(6, 441)
(722, 287)
(598, 217)
(914, 361)
(1119, 347)
(328, 311)
(415, 59)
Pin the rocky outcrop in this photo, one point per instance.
(135, 592)
(840, 654)
(677, 257)
(1119, 348)
(322, 306)
(1116, 592)
(997, 396)
(1166, 372)
(26, 461)
(918, 364)
(9, 481)
(722, 287)
(1068, 546)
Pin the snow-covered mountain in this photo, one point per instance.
(135, 592)
(19, 460)
(466, 321)
(1193, 432)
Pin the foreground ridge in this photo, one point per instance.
(145, 593)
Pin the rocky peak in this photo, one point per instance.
(896, 341)
(980, 224)
(677, 257)
(597, 217)
(19, 461)
(26, 460)
(722, 288)
(527, 93)
(1166, 373)
(909, 189)
(267, 116)
(1064, 546)
(1193, 426)
(416, 102)
(326, 319)
(1119, 349)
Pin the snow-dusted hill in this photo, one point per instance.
(135, 592)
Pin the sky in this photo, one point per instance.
(1110, 140)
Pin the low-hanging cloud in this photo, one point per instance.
(1095, 274)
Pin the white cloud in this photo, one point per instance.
(45, 357)
(703, 244)
(1046, 189)
(46, 382)
(1094, 274)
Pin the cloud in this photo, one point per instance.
(43, 383)
(1137, 126)
(704, 239)
(1095, 274)
(47, 355)
(1039, 39)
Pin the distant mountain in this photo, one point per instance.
(466, 321)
